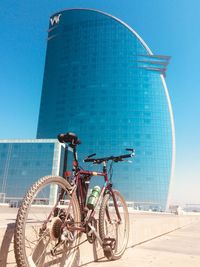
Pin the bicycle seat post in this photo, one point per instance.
(65, 160)
(75, 163)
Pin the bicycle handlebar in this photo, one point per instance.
(113, 158)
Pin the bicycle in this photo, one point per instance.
(56, 211)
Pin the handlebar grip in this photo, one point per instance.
(119, 158)
(88, 160)
(128, 155)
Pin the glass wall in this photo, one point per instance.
(102, 82)
(23, 162)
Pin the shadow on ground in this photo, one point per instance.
(6, 244)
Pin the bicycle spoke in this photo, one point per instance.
(111, 227)
(42, 226)
(44, 251)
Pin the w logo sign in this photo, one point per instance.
(55, 19)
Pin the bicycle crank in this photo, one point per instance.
(93, 232)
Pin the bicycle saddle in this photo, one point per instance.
(71, 138)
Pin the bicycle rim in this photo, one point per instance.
(39, 238)
(111, 227)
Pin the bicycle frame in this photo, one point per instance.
(78, 174)
(106, 186)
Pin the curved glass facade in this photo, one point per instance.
(102, 82)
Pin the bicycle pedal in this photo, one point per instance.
(109, 243)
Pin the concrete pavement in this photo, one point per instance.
(181, 247)
(178, 248)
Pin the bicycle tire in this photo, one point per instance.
(26, 225)
(108, 213)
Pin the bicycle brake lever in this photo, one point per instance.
(92, 155)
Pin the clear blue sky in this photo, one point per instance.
(169, 27)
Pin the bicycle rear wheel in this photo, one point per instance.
(41, 238)
(113, 232)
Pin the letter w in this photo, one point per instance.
(55, 19)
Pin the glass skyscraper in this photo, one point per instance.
(103, 82)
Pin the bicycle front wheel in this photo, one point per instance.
(42, 237)
(113, 231)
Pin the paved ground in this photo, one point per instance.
(179, 248)
(7, 215)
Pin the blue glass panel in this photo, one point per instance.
(22, 164)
